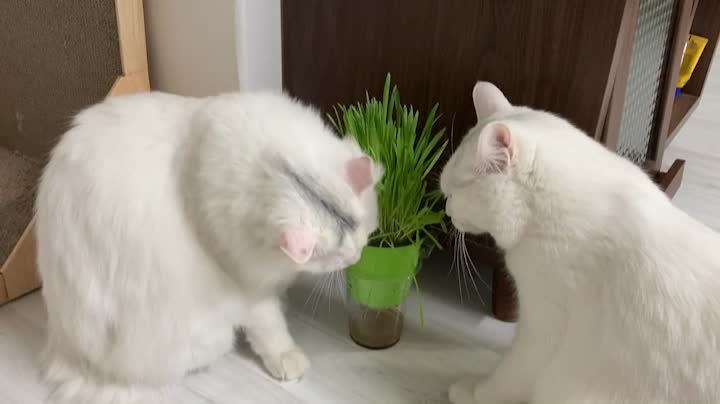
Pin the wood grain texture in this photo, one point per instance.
(683, 107)
(131, 35)
(134, 83)
(670, 181)
(3, 290)
(556, 56)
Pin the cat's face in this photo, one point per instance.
(482, 181)
(334, 216)
(340, 243)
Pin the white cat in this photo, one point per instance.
(619, 291)
(164, 221)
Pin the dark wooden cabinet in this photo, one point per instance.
(608, 66)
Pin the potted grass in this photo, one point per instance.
(379, 283)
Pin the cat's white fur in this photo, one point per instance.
(619, 291)
(163, 222)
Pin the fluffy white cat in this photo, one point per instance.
(163, 222)
(619, 291)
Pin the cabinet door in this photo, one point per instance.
(556, 55)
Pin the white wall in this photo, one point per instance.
(202, 48)
(259, 44)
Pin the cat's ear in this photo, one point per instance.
(362, 172)
(298, 242)
(488, 99)
(495, 149)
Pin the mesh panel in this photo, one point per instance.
(652, 39)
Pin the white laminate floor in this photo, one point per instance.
(456, 340)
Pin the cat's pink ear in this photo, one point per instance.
(298, 242)
(360, 173)
(495, 149)
(488, 100)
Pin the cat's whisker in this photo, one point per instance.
(321, 293)
(327, 289)
(341, 287)
(471, 269)
(333, 289)
(312, 293)
(463, 267)
(461, 275)
(451, 236)
(456, 260)
(318, 298)
(472, 264)
(329, 292)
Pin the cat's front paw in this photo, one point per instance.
(461, 392)
(290, 365)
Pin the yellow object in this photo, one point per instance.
(694, 48)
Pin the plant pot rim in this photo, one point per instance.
(383, 275)
(376, 247)
(387, 263)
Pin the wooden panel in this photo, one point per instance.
(19, 271)
(3, 290)
(550, 55)
(131, 32)
(134, 83)
(683, 107)
(706, 23)
(681, 31)
(671, 180)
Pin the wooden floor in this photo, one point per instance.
(457, 338)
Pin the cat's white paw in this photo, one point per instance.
(461, 392)
(290, 365)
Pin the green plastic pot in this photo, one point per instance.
(383, 276)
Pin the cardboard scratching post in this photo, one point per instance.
(59, 57)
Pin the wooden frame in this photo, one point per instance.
(613, 119)
(706, 23)
(18, 274)
(699, 17)
(681, 31)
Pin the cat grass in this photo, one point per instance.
(391, 134)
